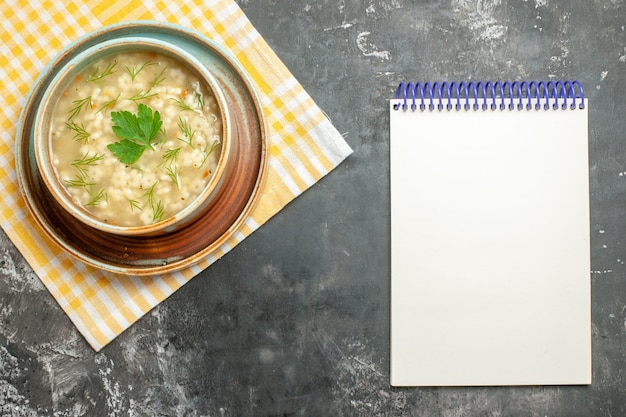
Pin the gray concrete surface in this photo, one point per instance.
(295, 320)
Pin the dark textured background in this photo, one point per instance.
(295, 320)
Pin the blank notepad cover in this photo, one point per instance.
(490, 258)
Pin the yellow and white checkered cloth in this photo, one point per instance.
(303, 144)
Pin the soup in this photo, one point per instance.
(135, 138)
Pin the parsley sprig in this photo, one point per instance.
(138, 133)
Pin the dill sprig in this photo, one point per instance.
(170, 156)
(187, 131)
(81, 164)
(80, 133)
(108, 104)
(146, 94)
(208, 150)
(87, 160)
(81, 180)
(173, 173)
(158, 210)
(97, 76)
(78, 106)
(182, 105)
(160, 77)
(136, 69)
(149, 194)
(171, 168)
(142, 95)
(97, 198)
(134, 205)
(199, 99)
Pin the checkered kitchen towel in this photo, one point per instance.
(303, 145)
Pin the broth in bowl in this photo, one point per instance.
(135, 137)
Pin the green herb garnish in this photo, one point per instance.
(81, 180)
(149, 194)
(182, 105)
(159, 78)
(170, 156)
(200, 100)
(142, 95)
(188, 132)
(96, 75)
(134, 205)
(158, 210)
(98, 198)
(172, 172)
(87, 160)
(136, 69)
(80, 133)
(136, 131)
(208, 151)
(171, 167)
(108, 104)
(78, 106)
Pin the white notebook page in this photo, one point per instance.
(490, 255)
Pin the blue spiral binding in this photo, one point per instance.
(490, 95)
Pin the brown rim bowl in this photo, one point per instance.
(216, 216)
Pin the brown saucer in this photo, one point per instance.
(151, 255)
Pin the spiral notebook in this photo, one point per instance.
(490, 242)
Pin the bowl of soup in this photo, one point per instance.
(132, 137)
